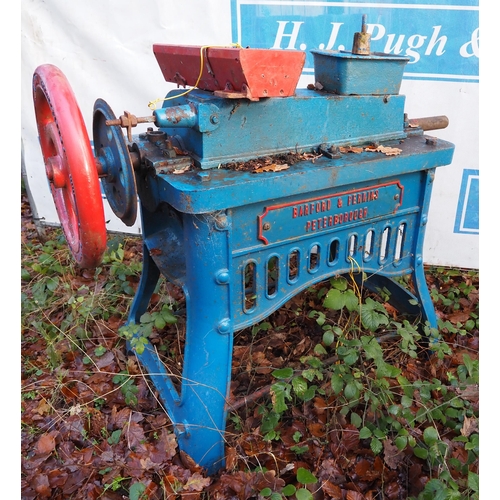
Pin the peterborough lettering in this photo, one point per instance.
(329, 212)
(323, 208)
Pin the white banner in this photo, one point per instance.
(105, 51)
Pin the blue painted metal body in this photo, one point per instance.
(346, 73)
(217, 131)
(240, 244)
(213, 231)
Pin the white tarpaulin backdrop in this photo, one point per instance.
(105, 50)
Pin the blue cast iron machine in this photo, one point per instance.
(239, 241)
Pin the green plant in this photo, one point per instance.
(372, 391)
(304, 477)
(116, 483)
(137, 334)
(127, 386)
(61, 306)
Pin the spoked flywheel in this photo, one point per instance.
(70, 165)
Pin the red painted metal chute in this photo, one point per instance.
(232, 72)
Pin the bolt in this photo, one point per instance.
(222, 277)
(224, 326)
(431, 141)
(266, 226)
(203, 176)
(182, 429)
(214, 119)
(221, 222)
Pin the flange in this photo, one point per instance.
(115, 165)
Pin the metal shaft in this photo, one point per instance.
(430, 122)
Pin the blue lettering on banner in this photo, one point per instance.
(467, 219)
(440, 37)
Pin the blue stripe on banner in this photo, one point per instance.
(441, 38)
(467, 218)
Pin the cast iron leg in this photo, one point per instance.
(201, 416)
(149, 279)
(422, 292)
(198, 412)
(149, 358)
(400, 297)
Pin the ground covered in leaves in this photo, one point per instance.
(326, 402)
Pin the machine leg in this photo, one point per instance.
(401, 298)
(149, 279)
(197, 410)
(424, 297)
(149, 357)
(201, 416)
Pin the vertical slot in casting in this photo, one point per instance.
(314, 258)
(333, 252)
(293, 265)
(272, 275)
(352, 243)
(384, 244)
(368, 248)
(250, 286)
(400, 239)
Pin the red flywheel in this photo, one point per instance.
(70, 165)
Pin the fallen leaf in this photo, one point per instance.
(188, 462)
(42, 487)
(365, 471)
(470, 393)
(271, 168)
(170, 484)
(392, 455)
(469, 426)
(458, 317)
(135, 436)
(179, 151)
(46, 443)
(196, 483)
(231, 458)
(332, 490)
(69, 393)
(386, 150)
(391, 310)
(350, 149)
(354, 495)
(392, 491)
(57, 478)
(350, 437)
(43, 407)
(317, 429)
(181, 170)
(167, 444)
(105, 360)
